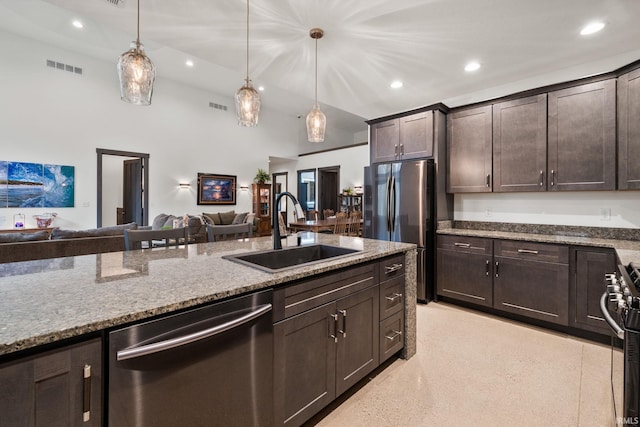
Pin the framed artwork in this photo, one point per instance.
(216, 189)
(34, 185)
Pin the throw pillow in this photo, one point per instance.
(212, 218)
(159, 221)
(240, 218)
(226, 218)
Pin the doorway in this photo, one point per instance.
(135, 191)
(328, 187)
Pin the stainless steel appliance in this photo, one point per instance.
(210, 366)
(620, 306)
(399, 206)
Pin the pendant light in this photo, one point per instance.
(316, 120)
(247, 98)
(136, 73)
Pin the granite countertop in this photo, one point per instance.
(627, 250)
(49, 300)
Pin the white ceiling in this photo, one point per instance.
(521, 44)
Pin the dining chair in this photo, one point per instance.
(355, 227)
(133, 239)
(215, 234)
(312, 215)
(326, 213)
(341, 226)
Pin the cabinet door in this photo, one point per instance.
(358, 341)
(520, 144)
(465, 276)
(305, 364)
(534, 289)
(416, 136)
(49, 389)
(591, 266)
(469, 150)
(582, 137)
(629, 131)
(385, 137)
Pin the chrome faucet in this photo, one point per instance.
(277, 244)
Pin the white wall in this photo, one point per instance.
(53, 116)
(611, 209)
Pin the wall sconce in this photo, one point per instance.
(244, 188)
(184, 185)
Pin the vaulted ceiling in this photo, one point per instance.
(520, 44)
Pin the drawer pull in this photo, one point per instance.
(462, 245)
(527, 251)
(395, 335)
(394, 297)
(388, 269)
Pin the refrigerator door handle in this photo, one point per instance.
(387, 201)
(393, 204)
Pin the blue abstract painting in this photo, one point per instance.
(25, 187)
(59, 188)
(34, 185)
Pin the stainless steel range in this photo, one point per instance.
(620, 306)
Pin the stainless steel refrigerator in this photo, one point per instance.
(399, 206)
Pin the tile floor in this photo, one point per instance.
(478, 370)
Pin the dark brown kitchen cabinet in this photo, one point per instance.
(392, 302)
(520, 144)
(469, 140)
(531, 279)
(465, 269)
(582, 137)
(404, 138)
(629, 131)
(327, 342)
(57, 388)
(591, 265)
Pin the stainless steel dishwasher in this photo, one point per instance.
(210, 366)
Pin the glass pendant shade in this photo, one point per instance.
(316, 125)
(137, 74)
(247, 105)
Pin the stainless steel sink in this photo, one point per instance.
(273, 261)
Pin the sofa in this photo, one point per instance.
(228, 225)
(22, 246)
(196, 229)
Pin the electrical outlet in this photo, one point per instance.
(605, 214)
(85, 204)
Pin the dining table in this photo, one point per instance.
(318, 225)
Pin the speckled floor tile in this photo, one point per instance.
(480, 370)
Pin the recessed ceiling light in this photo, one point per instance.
(592, 27)
(472, 66)
(77, 24)
(396, 84)
(188, 63)
(261, 88)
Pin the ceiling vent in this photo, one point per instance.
(64, 67)
(218, 106)
(118, 3)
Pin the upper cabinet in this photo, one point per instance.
(520, 144)
(629, 131)
(469, 150)
(404, 138)
(582, 137)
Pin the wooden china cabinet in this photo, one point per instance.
(262, 208)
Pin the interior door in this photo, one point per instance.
(132, 191)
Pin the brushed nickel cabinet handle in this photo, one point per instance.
(388, 269)
(462, 245)
(343, 331)
(402, 149)
(497, 269)
(86, 395)
(488, 180)
(541, 178)
(395, 335)
(487, 268)
(553, 177)
(394, 297)
(334, 335)
(527, 251)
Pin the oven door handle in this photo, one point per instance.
(607, 317)
(133, 352)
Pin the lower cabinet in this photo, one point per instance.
(532, 279)
(322, 352)
(57, 388)
(591, 264)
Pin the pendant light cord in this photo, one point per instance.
(138, 35)
(247, 41)
(316, 91)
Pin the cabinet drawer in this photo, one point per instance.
(391, 267)
(295, 299)
(542, 252)
(391, 335)
(391, 296)
(477, 245)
